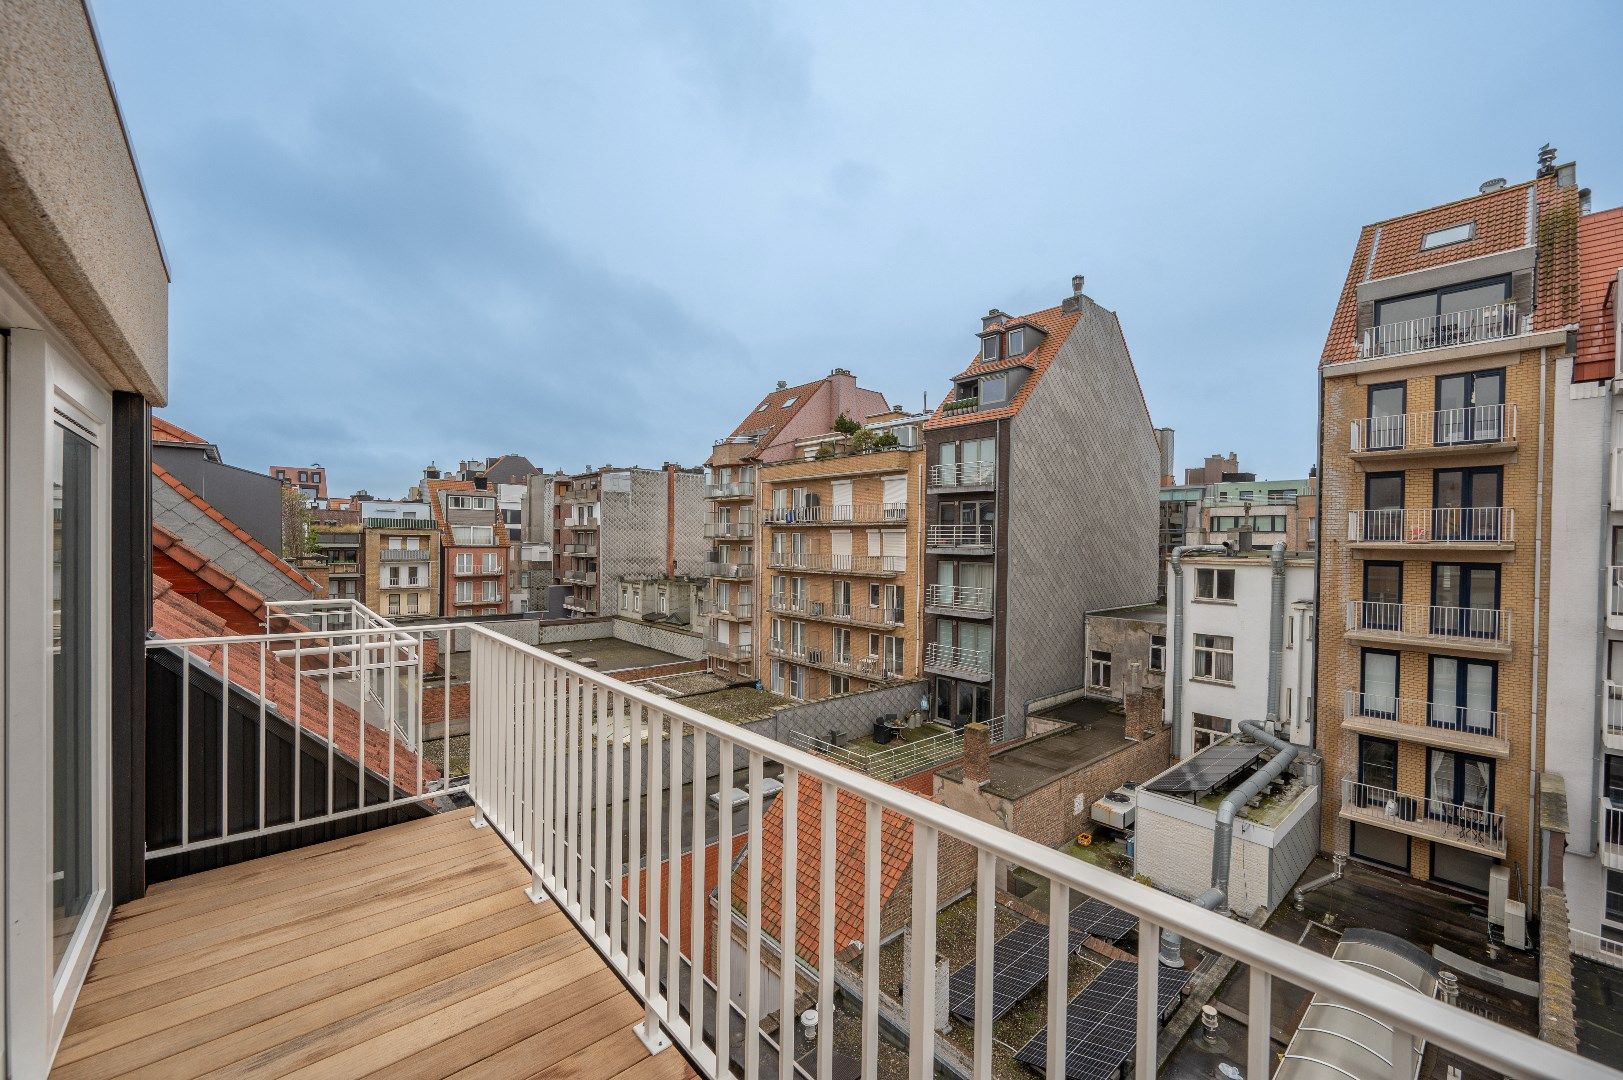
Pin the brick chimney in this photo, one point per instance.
(1142, 704)
(977, 753)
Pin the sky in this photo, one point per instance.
(404, 232)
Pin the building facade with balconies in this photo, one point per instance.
(473, 546)
(625, 523)
(732, 518)
(1041, 504)
(842, 534)
(400, 566)
(1437, 383)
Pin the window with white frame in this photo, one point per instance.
(464, 562)
(464, 592)
(895, 654)
(838, 684)
(394, 575)
(1099, 669)
(411, 603)
(1214, 657)
(394, 603)
(1212, 583)
(493, 563)
(491, 591)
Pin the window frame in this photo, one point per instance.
(1215, 652)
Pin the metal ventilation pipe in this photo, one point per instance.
(1183, 735)
(1276, 634)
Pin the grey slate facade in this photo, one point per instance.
(219, 545)
(252, 500)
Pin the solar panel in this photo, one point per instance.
(1019, 966)
(1101, 1025)
(1098, 919)
(1207, 769)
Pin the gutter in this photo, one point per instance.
(1532, 893)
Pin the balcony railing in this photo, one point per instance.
(1440, 525)
(1492, 322)
(1474, 426)
(571, 603)
(958, 597)
(956, 661)
(1466, 625)
(825, 563)
(399, 523)
(404, 554)
(1614, 592)
(1611, 833)
(960, 537)
(1435, 715)
(727, 650)
(788, 605)
(860, 614)
(853, 514)
(900, 760)
(741, 490)
(968, 474)
(729, 530)
(1595, 947)
(547, 769)
(732, 609)
(581, 577)
(1453, 823)
(729, 571)
(581, 550)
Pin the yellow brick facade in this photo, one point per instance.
(1522, 577)
(866, 473)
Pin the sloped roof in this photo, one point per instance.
(433, 488)
(1600, 254)
(1056, 324)
(175, 618)
(1392, 247)
(684, 915)
(767, 419)
(850, 869)
(245, 596)
(208, 509)
(163, 431)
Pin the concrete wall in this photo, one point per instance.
(1127, 640)
(252, 500)
(75, 231)
(555, 632)
(1083, 511)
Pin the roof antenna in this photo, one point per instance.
(1546, 159)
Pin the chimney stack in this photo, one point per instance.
(977, 753)
(1073, 303)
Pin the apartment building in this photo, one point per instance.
(1438, 381)
(625, 523)
(1041, 505)
(1256, 514)
(677, 601)
(1220, 628)
(768, 433)
(1584, 699)
(252, 500)
(338, 549)
(473, 546)
(401, 566)
(536, 573)
(843, 536)
(311, 480)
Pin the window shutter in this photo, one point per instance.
(894, 543)
(841, 541)
(896, 489)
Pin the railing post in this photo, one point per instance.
(1259, 1024)
(477, 730)
(1149, 1000)
(1059, 975)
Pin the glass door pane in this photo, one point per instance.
(72, 706)
(1380, 684)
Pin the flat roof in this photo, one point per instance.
(1152, 613)
(612, 654)
(1097, 730)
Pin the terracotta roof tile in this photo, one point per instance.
(164, 431)
(234, 529)
(1056, 325)
(1600, 254)
(769, 416)
(712, 875)
(175, 618)
(241, 593)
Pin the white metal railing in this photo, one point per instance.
(729, 571)
(727, 650)
(737, 490)
(789, 605)
(1258, 498)
(825, 562)
(960, 597)
(901, 759)
(731, 609)
(551, 771)
(837, 514)
(1433, 525)
(1604, 950)
(1611, 833)
(1466, 624)
(1491, 322)
(859, 614)
(956, 660)
(1456, 823)
(1444, 716)
(967, 474)
(1612, 714)
(589, 780)
(404, 554)
(959, 536)
(723, 530)
(1614, 590)
(1474, 425)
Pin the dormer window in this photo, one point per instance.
(994, 390)
(1017, 342)
(1454, 234)
(989, 345)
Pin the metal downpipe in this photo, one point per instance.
(1276, 633)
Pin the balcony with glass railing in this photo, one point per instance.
(957, 600)
(728, 571)
(1491, 322)
(1475, 729)
(734, 610)
(728, 530)
(1480, 528)
(962, 663)
(727, 650)
(964, 476)
(599, 966)
(1464, 629)
(1476, 828)
(1471, 430)
(738, 490)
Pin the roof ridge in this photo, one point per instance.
(297, 576)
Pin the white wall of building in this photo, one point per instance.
(1245, 620)
(385, 508)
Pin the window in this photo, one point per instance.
(464, 562)
(493, 563)
(394, 603)
(1158, 653)
(1387, 403)
(989, 347)
(1099, 670)
(394, 576)
(1614, 896)
(491, 591)
(875, 595)
(789, 401)
(994, 390)
(411, 575)
(1268, 523)
(1214, 584)
(893, 654)
(1378, 684)
(1454, 234)
(1382, 606)
(464, 592)
(1383, 507)
(1470, 407)
(1463, 694)
(838, 684)
(1465, 600)
(411, 604)
(1017, 342)
(1214, 657)
(304, 477)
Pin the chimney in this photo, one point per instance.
(1142, 704)
(977, 753)
(992, 318)
(783, 384)
(670, 520)
(1073, 303)
(1546, 160)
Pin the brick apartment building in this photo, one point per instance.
(473, 545)
(767, 434)
(843, 539)
(401, 566)
(311, 480)
(1434, 574)
(1041, 505)
(625, 523)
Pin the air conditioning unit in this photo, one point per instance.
(1516, 924)
(1498, 894)
(1115, 810)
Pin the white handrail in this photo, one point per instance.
(965, 474)
(1433, 525)
(1487, 625)
(1442, 715)
(1491, 322)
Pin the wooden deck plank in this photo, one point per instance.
(410, 951)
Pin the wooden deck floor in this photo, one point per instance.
(408, 952)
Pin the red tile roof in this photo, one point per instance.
(770, 415)
(1056, 325)
(850, 869)
(1600, 254)
(1501, 225)
(166, 432)
(684, 915)
(247, 601)
(432, 489)
(298, 578)
(175, 618)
